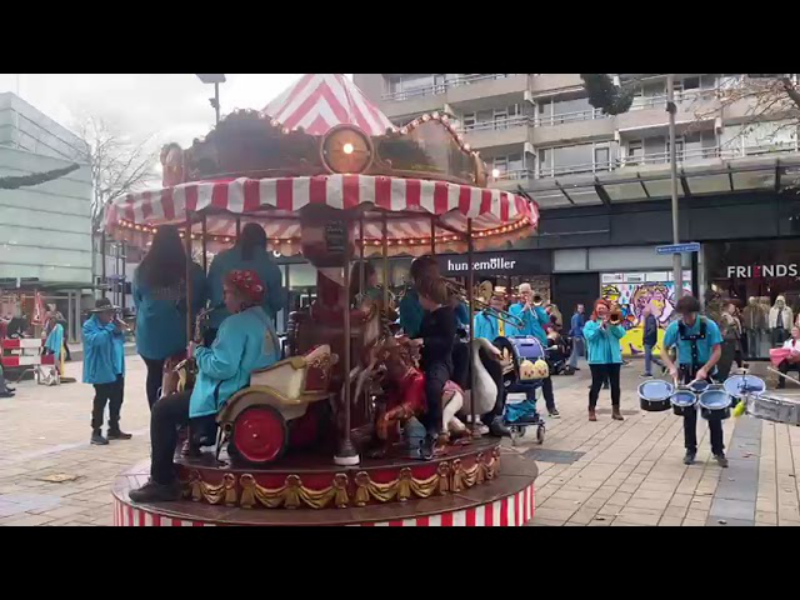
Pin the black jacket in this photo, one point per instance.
(650, 331)
(438, 332)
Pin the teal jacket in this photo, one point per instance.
(603, 344)
(103, 359)
(487, 327)
(161, 315)
(245, 342)
(532, 324)
(705, 347)
(412, 313)
(262, 264)
(55, 340)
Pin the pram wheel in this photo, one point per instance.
(540, 430)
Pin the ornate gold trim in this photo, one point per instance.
(450, 477)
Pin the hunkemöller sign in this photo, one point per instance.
(523, 262)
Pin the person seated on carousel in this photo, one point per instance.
(250, 253)
(534, 319)
(436, 338)
(246, 342)
(488, 326)
(793, 360)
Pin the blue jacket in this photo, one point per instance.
(486, 326)
(262, 264)
(55, 340)
(411, 313)
(576, 325)
(245, 342)
(533, 321)
(603, 344)
(102, 359)
(161, 315)
(705, 347)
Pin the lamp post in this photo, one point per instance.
(216, 79)
(677, 271)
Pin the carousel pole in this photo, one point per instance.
(205, 254)
(362, 284)
(433, 235)
(238, 228)
(471, 300)
(385, 263)
(347, 454)
(188, 242)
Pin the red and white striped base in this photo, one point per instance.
(513, 511)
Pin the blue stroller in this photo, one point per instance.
(520, 411)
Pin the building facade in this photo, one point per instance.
(603, 183)
(45, 230)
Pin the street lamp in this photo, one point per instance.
(216, 79)
(677, 268)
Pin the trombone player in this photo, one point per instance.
(533, 317)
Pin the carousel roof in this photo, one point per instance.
(319, 102)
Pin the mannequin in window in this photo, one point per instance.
(781, 320)
(766, 340)
(754, 324)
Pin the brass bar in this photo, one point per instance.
(188, 242)
(205, 254)
(471, 299)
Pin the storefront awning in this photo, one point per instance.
(741, 175)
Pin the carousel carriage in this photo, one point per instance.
(361, 188)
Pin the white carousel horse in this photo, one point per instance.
(484, 392)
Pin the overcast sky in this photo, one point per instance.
(173, 107)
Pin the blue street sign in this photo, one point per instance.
(678, 248)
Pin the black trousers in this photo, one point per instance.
(168, 414)
(690, 421)
(547, 392)
(436, 375)
(155, 378)
(68, 354)
(113, 395)
(601, 373)
(461, 365)
(784, 368)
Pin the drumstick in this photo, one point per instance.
(797, 381)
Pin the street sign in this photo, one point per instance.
(678, 248)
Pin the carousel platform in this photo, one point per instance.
(480, 484)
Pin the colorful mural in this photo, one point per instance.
(632, 299)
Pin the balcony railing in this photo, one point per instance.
(570, 117)
(441, 88)
(660, 101)
(515, 175)
(497, 124)
(555, 171)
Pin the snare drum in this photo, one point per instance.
(739, 386)
(773, 407)
(654, 395)
(715, 403)
(683, 398)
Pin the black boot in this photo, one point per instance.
(98, 439)
(689, 458)
(5, 391)
(156, 492)
(721, 460)
(498, 429)
(115, 433)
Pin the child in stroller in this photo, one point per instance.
(557, 353)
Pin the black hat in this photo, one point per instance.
(103, 305)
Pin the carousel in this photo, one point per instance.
(319, 437)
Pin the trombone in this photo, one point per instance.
(480, 298)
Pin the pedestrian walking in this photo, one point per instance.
(650, 340)
(577, 323)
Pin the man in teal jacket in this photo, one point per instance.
(250, 253)
(246, 342)
(104, 368)
(534, 318)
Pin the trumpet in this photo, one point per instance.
(537, 300)
(202, 320)
(615, 318)
(501, 315)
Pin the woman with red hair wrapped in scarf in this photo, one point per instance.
(246, 341)
(605, 356)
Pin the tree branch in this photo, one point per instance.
(13, 183)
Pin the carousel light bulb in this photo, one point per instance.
(495, 173)
(348, 148)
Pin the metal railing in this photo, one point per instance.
(660, 101)
(515, 175)
(555, 171)
(570, 117)
(497, 124)
(441, 88)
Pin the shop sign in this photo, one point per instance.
(530, 262)
(761, 271)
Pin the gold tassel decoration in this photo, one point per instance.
(404, 485)
(362, 493)
(197, 486)
(340, 485)
(458, 476)
(443, 471)
(480, 462)
(248, 484)
(291, 495)
(230, 489)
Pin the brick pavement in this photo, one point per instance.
(602, 474)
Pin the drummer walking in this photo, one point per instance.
(699, 346)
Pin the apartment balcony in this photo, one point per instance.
(511, 131)
(513, 180)
(585, 125)
(649, 114)
(550, 84)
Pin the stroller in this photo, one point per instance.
(557, 354)
(520, 411)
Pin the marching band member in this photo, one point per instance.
(605, 357)
(159, 293)
(250, 253)
(699, 345)
(246, 342)
(534, 319)
(104, 368)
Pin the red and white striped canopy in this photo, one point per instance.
(317, 103)
(409, 205)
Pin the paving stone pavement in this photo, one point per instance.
(607, 473)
